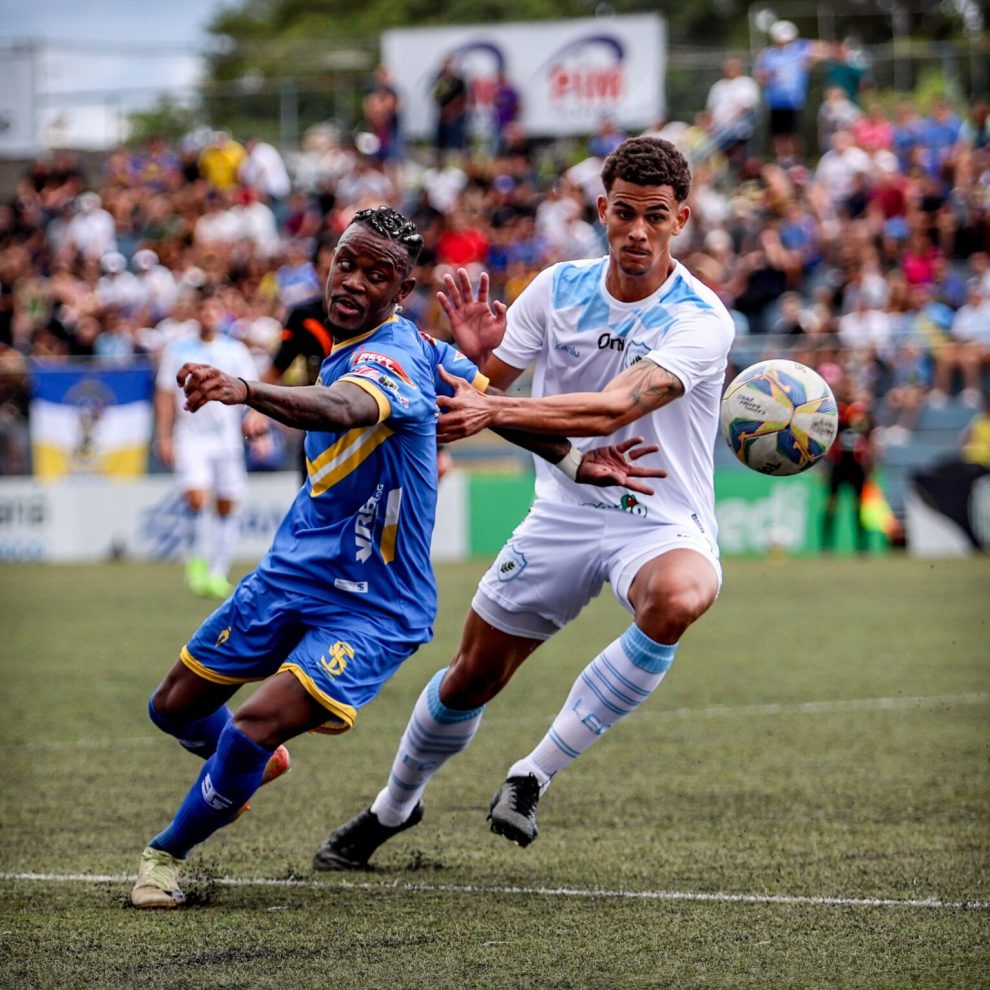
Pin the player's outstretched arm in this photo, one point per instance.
(632, 393)
(477, 327)
(307, 407)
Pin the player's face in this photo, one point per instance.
(367, 280)
(639, 222)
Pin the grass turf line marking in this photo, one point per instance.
(451, 888)
(709, 711)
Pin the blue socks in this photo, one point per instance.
(199, 736)
(228, 779)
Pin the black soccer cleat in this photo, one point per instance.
(513, 809)
(350, 846)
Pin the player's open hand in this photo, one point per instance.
(464, 413)
(613, 465)
(203, 383)
(477, 326)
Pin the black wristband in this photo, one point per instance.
(247, 390)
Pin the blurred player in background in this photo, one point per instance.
(346, 592)
(206, 451)
(630, 335)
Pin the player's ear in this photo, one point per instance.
(602, 207)
(408, 284)
(683, 215)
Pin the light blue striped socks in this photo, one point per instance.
(611, 687)
(433, 735)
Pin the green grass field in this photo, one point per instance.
(804, 803)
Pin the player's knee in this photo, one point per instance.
(667, 615)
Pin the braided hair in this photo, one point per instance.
(391, 224)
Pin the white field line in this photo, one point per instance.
(709, 711)
(588, 894)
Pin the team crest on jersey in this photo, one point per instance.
(386, 381)
(635, 351)
(389, 363)
(510, 564)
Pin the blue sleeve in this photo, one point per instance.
(456, 364)
(389, 375)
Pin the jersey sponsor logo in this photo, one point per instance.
(633, 351)
(363, 525)
(339, 654)
(389, 384)
(510, 564)
(212, 796)
(628, 503)
(386, 362)
(567, 349)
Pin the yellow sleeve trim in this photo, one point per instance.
(342, 716)
(481, 382)
(211, 675)
(384, 406)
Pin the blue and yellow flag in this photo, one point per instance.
(91, 420)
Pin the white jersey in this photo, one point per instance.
(213, 422)
(580, 338)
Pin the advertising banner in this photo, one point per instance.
(93, 519)
(570, 74)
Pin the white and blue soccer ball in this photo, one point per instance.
(779, 417)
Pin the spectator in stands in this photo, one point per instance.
(874, 132)
(840, 167)
(91, 231)
(837, 112)
(732, 102)
(220, 161)
(508, 107)
(606, 138)
(263, 171)
(383, 118)
(968, 350)
(847, 68)
(783, 70)
(450, 103)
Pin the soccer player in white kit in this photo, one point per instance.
(628, 344)
(206, 451)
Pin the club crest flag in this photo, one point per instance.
(91, 420)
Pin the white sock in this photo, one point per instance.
(200, 528)
(611, 687)
(225, 536)
(433, 735)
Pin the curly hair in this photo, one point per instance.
(648, 161)
(391, 224)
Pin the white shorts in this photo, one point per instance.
(560, 555)
(206, 465)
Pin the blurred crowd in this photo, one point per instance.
(866, 257)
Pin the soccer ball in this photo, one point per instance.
(779, 417)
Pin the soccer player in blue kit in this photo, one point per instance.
(346, 592)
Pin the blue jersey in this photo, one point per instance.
(358, 533)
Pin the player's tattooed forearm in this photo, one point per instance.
(651, 386)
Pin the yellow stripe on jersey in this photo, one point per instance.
(339, 459)
(211, 675)
(384, 406)
(343, 715)
(390, 531)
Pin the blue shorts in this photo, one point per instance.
(341, 657)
